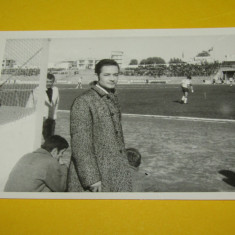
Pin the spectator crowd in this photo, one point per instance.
(174, 70)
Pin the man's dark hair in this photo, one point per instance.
(105, 62)
(134, 157)
(50, 76)
(55, 141)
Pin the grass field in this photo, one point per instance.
(207, 101)
(179, 155)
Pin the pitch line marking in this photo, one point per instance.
(123, 88)
(181, 118)
(171, 117)
(63, 111)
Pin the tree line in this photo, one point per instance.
(155, 60)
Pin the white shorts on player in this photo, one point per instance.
(231, 81)
(185, 84)
(79, 85)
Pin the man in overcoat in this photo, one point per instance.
(99, 160)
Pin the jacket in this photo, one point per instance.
(37, 172)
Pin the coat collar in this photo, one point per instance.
(43, 151)
(101, 91)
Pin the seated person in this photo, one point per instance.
(140, 179)
(42, 170)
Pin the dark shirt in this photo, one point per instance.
(49, 93)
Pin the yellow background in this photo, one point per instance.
(112, 216)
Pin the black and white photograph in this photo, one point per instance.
(118, 114)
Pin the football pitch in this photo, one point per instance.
(185, 148)
(208, 101)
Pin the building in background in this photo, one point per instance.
(8, 63)
(80, 64)
(229, 61)
(228, 67)
(64, 65)
(203, 57)
(86, 63)
(118, 57)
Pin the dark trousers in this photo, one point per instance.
(48, 128)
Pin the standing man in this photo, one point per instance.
(99, 159)
(185, 84)
(50, 107)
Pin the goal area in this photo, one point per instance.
(23, 69)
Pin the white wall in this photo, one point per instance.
(16, 139)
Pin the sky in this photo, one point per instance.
(183, 47)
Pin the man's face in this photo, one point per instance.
(108, 77)
(50, 83)
(58, 154)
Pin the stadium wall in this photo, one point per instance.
(87, 78)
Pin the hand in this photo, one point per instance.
(96, 187)
(192, 91)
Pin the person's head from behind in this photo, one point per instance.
(50, 80)
(189, 77)
(56, 145)
(107, 71)
(134, 157)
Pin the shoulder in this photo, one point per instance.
(24, 159)
(37, 159)
(46, 160)
(53, 164)
(86, 97)
(42, 155)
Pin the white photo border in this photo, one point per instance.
(69, 34)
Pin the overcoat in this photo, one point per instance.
(98, 149)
